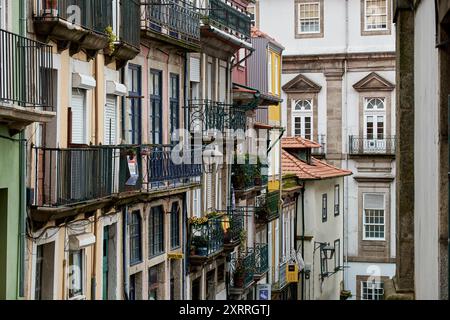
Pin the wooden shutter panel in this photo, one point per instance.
(78, 117)
(110, 120)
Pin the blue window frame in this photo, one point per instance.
(156, 127)
(135, 237)
(175, 226)
(156, 231)
(131, 118)
(174, 102)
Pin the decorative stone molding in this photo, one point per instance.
(373, 82)
(301, 84)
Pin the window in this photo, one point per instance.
(324, 207)
(174, 103)
(336, 200)
(303, 117)
(222, 84)
(153, 283)
(276, 74)
(78, 117)
(337, 255)
(135, 237)
(175, 226)
(76, 273)
(156, 126)
(374, 124)
(269, 71)
(376, 15)
(132, 114)
(43, 284)
(110, 116)
(373, 216)
(372, 290)
(156, 231)
(309, 17)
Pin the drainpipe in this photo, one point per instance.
(126, 288)
(303, 239)
(185, 247)
(185, 218)
(22, 177)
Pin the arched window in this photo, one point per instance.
(302, 121)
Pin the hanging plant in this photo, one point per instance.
(197, 221)
(111, 40)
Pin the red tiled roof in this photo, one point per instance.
(317, 170)
(256, 33)
(298, 143)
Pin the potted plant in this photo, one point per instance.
(257, 174)
(201, 246)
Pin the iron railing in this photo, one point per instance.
(75, 175)
(372, 145)
(261, 258)
(242, 268)
(174, 19)
(321, 151)
(206, 237)
(227, 17)
(26, 74)
(130, 22)
(245, 172)
(236, 225)
(95, 15)
(267, 207)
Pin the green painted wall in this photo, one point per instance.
(9, 214)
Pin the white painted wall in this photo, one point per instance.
(426, 151)
(334, 40)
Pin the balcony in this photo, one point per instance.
(74, 176)
(234, 227)
(245, 173)
(266, 207)
(364, 146)
(74, 24)
(320, 152)
(206, 238)
(261, 259)
(128, 43)
(26, 81)
(229, 19)
(172, 21)
(242, 270)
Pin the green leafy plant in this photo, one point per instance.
(111, 40)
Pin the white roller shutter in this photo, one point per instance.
(209, 191)
(110, 120)
(78, 116)
(195, 69)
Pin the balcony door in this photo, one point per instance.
(133, 108)
(110, 120)
(375, 126)
(78, 117)
(156, 126)
(302, 118)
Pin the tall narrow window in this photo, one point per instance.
(336, 200)
(174, 103)
(156, 126)
(374, 216)
(132, 114)
(372, 290)
(135, 237)
(78, 117)
(309, 17)
(337, 255)
(156, 231)
(110, 120)
(376, 15)
(76, 273)
(44, 278)
(175, 225)
(153, 283)
(303, 118)
(269, 71)
(324, 207)
(374, 125)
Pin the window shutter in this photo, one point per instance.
(78, 117)
(110, 120)
(209, 191)
(195, 69)
(374, 201)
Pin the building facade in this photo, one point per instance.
(338, 88)
(422, 183)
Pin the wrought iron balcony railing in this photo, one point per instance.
(242, 268)
(384, 145)
(75, 175)
(206, 236)
(173, 19)
(234, 228)
(266, 207)
(94, 15)
(229, 18)
(261, 258)
(130, 28)
(26, 76)
(282, 281)
(243, 173)
(209, 117)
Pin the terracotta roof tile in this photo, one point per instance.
(298, 143)
(317, 170)
(256, 33)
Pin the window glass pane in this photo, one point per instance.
(75, 273)
(376, 14)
